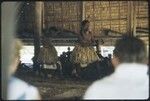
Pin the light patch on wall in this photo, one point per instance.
(27, 52)
(106, 50)
(61, 49)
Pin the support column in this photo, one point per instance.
(82, 11)
(37, 32)
(134, 18)
(131, 20)
(43, 16)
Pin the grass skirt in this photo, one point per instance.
(83, 55)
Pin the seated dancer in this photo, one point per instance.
(47, 57)
(83, 53)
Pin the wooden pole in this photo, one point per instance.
(43, 16)
(134, 18)
(129, 19)
(131, 22)
(82, 10)
(37, 32)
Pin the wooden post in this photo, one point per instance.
(129, 19)
(82, 15)
(82, 11)
(43, 16)
(37, 31)
(131, 22)
(134, 18)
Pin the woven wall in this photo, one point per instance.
(102, 14)
(142, 17)
(142, 14)
(65, 15)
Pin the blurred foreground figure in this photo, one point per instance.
(130, 79)
(18, 89)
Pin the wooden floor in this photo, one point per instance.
(56, 88)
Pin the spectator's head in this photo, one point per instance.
(16, 56)
(129, 49)
(109, 56)
(68, 48)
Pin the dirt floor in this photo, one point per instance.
(55, 88)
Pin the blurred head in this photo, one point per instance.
(16, 55)
(68, 48)
(8, 26)
(129, 49)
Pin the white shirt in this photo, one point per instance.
(129, 81)
(20, 90)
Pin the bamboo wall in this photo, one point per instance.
(102, 14)
(65, 15)
(105, 14)
(142, 18)
(142, 14)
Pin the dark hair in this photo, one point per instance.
(83, 23)
(130, 49)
